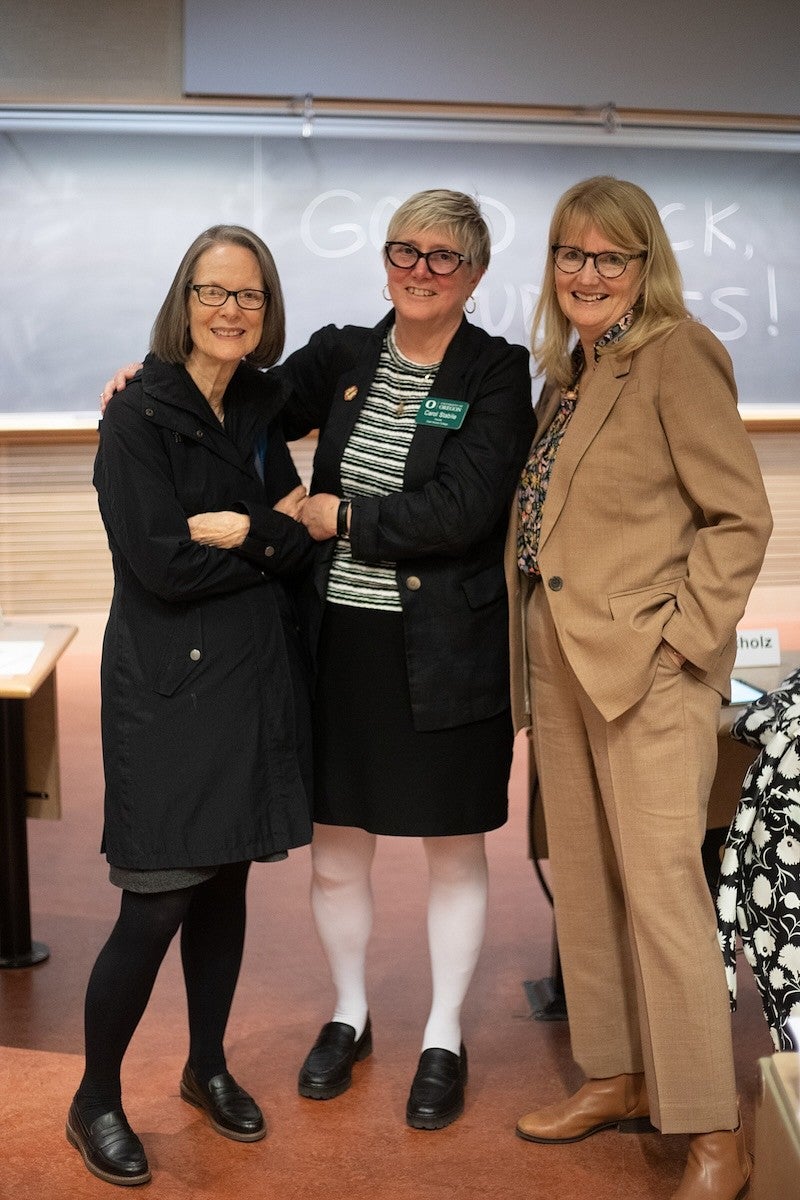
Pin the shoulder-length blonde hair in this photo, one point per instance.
(455, 212)
(626, 215)
(170, 339)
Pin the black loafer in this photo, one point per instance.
(437, 1092)
(110, 1148)
(328, 1069)
(229, 1108)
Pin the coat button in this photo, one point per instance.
(269, 551)
(198, 433)
(149, 412)
(195, 655)
(555, 583)
(413, 583)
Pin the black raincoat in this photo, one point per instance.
(204, 697)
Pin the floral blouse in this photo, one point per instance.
(539, 467)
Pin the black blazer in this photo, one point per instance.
(445, 530)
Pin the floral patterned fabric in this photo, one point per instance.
(538, 469)
(534, 480)
(759, 888)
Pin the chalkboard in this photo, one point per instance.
(92, 226)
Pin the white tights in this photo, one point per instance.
(342, 904)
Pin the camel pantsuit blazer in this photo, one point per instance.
(655, 522)
(654, 527)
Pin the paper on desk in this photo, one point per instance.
(17, 658)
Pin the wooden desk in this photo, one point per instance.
(776, 1175)
(28, 779)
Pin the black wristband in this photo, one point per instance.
(341, 519)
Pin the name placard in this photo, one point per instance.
(442, 414)
(758, 648)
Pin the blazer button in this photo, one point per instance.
(413, 583)
(555, 583)
(149, 412)
(198, 433)
(195, 655)
(269, 551)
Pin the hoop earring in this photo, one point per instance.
(383, 293)
(471, 301)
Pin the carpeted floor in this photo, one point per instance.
(358, 1145)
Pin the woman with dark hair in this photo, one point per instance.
(640, 528)
(205, 720)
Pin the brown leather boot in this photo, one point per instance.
(718, 1167)
(619, 1102)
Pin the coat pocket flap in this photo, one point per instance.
(485, 587)
(639, 606)
(182, 655)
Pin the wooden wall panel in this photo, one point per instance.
(82, 52)
(779, 456)
(54, 555)
(53, 550)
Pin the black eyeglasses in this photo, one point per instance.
(438, 262)
(609, 264)
(215, 297)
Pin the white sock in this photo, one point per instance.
(456, 923)
(341, 901)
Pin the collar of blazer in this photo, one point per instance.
(448, 384)
(585, 423)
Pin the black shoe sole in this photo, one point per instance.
(309, 1092)
(441, 1121)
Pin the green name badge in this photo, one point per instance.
(443, 414)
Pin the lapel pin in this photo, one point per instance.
(351, 393)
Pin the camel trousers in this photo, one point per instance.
(625, 806)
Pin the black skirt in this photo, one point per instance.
(373, 770)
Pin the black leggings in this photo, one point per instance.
(211, 918)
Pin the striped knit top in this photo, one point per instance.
(373, 464)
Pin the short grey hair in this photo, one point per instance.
(456, 212)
